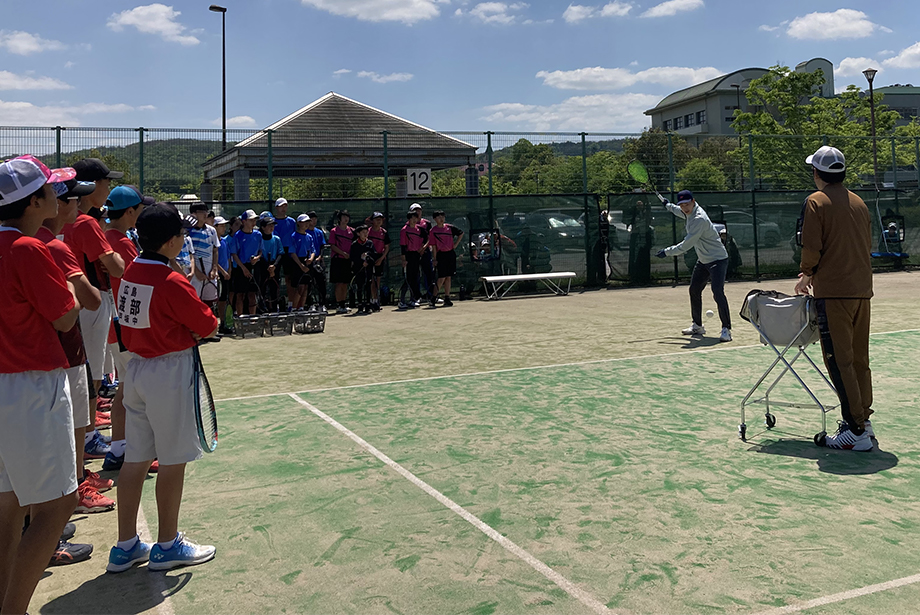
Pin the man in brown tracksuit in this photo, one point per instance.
(836, 240)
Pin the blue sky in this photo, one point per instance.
(544, 65)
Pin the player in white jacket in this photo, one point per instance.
(712, 263)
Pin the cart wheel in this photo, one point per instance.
(742, 432)
(819, 438)
(770, 420)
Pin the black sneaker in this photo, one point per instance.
(447, 302)
(69, 530)
(432, 303)
(70, 553)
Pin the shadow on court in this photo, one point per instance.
(830, 460)
(127, 593)
(687, 341)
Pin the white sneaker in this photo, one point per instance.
(846, 440)
(867, 424)
(726, 335)
(694, 329)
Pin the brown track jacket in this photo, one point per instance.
(836, 244)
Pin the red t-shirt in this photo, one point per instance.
(341, 239)
(35, 294)
(71, 341)
(159, 310)
(125, 248)
(88, 243)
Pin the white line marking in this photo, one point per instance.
(520, 369)
(563, 583)
(847, 595)
(159, 588)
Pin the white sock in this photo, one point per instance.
(168, 544)
(118, 447)
(127, 545)
(87, 437)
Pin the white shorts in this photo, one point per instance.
(121, 360)
(95, 328)
(78, 380)
(207, 290)
(37, 455)
(160, 409)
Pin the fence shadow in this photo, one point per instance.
(127, 593)
(829, 460)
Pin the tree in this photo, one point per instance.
(701, 174)
(652, 149)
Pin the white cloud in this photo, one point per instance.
(616, 9)
(406, 11)
(852, 67)
(12, 81)
(238, 121)
(18, 113)
(377, 78)
(341, 71)
(498, 13)
(766, 28)
(673, 7)
(842, 23)
(157, 19)
(23, 43)
(597, 112)
(907, 58)
(599, 78)
(577, 12)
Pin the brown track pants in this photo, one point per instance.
(844, 327)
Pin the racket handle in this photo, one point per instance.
(661, 198)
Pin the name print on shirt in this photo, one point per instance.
(134, 305)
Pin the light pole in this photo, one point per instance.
(223, 43)
(737, 87)
(870, 77)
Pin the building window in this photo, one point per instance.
(667, 125)
(689, 119)
(700, 117)
(678, 122)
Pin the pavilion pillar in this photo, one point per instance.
(241, 185)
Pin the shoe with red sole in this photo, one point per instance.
(154, 467)
(91, 501)
(103, 421)
(98, 483)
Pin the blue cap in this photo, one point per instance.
(123, 197)
(684, 196)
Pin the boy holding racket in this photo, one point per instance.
(712, 263)
(162, 319)
(444, 241)
(340, 240)
(36, 420)
(245, 252)
(319, 273)
(267, 271)
(205, 242)
(381, 239)
(223, 271)
(303, 255)
(363, 256)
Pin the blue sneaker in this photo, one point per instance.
(95, 448)
(183, 553)
(112, 462)
(121, 560)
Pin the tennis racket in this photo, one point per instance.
(639, 173)
(210, 291)
(205, 413)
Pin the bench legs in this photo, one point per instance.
(499, 290)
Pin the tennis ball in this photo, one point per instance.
(708, 313)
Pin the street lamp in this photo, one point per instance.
(223, 42)
(737, 87)
(870, 77)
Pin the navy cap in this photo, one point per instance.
(684, 196)
(159, 223)
(76, 189)
(91, 169)
(123, 197)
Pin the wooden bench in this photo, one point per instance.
(497, 286)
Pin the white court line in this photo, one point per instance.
(159, 589)
(847, 595)
(563, 583)
(520, 369)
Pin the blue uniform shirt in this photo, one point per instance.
(302, 245)
(271, 248)
(246, 245)
(223, 253)
(319, 239)
(284, 227)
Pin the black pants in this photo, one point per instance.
(269, 287)
(702, 273)
(319, 284)
(411, 282)
(363, 278)
(430, 277)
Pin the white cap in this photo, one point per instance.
(219, 220)
(280, 202)
(415, 207)
(303, 218)
(827, 158)
(249, 214)
(24, 175)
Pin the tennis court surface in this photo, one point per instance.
(585, 459)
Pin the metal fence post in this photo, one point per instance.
(590, 269)
(754, 207)
(491, 194)
(917, 158)
(386, 171)
(57, 146)
(671, 188)
(271, 169)
(140, 155)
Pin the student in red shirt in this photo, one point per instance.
(340, 240)
(381, 240)
(36, 420)
(88, 243)
(161, 320)
(444, 241)
(124, 205)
